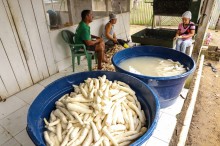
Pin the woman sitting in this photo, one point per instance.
(109, 35)
(185, 32)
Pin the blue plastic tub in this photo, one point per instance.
(167, 88)
(45, 102)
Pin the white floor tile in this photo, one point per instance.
(175, 108)
(24, 139)
(4, 135)
(11, 104)
(29, 94)
(70, 73)
(165, 127)
(160, 114)
(78, 68)
(16, 122)
(11, 142)
(67, 71)
(153, 141)
(51, 79)
(82, 67)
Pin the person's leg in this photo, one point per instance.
(185, 44)
(100, 49)
(178, 44)
(104, 59)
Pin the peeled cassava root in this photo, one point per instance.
(109, 66)
(98, 112)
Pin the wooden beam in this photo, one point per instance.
(128, 5)
(205, 16)
(106, 6)
(69, 4)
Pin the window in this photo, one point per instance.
(58, 13)
(119, 6)
(61, 13)
(102, 8)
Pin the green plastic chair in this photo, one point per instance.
(77, 50)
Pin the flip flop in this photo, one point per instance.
(212, 67)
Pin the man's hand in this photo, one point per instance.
(180, 37)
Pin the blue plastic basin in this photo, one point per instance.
(167, 88)
(45, 102)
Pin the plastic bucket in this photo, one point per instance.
(167, 88)
(45, 102)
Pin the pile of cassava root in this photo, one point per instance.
(98, 112)
(109, 66)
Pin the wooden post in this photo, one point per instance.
(128, 5)
(206, 12)
(153, 21)
(107, 10)
(217, 27)
(69, 3)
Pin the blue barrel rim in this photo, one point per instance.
(139, 141)
(153, 77)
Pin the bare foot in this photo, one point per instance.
(99, 68)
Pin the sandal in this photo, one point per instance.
(212, 67)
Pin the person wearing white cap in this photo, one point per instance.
(185, 32)
(109, 35)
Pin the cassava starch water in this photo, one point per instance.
(153, 66)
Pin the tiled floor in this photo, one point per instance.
(13, 115)
(167, 122)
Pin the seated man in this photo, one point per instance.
(185, 32)
(83, 36)
(109, 35)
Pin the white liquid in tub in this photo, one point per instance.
(153, 66)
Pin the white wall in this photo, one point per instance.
(26, 53)
(62, 51)
(77, 8)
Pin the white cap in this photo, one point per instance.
(112, 16)
(187, 14)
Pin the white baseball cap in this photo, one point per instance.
(187, 14)
(112, 16)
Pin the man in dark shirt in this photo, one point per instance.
(83, 36)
